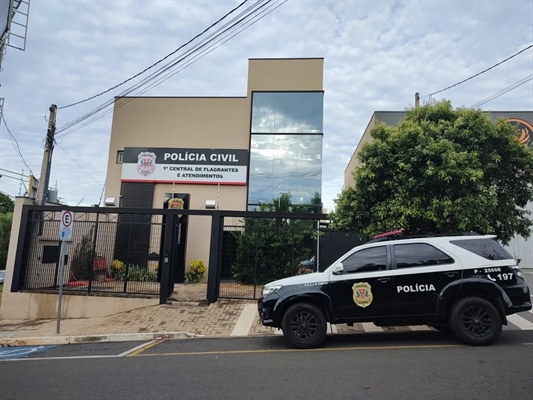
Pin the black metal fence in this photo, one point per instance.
(108, 253)
(258, 250)
(126, 251)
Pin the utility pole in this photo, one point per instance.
(42, 190)
(417, 100)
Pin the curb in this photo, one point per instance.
(121, 337)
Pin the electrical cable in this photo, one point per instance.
(15, 143)
(148, 78)
(198, 57)
(161, 70)
(157, 62)
(62, 131)
(482, 72)
(504, 91)
(78, 164)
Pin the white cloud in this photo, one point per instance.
(377, 55)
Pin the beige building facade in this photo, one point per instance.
(227, 153)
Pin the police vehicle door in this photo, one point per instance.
(420, 273)
(363, 287)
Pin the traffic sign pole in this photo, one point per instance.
(65, 234)
(61, 281)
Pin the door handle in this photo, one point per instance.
(450, 274)
(383, 280)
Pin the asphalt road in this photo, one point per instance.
(416, 365)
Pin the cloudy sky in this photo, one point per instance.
(377, 55)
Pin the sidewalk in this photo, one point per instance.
(225, 318)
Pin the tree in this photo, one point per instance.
(440, 170)
(7, 205)
(272, 248)
(6, 219)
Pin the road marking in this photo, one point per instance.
(224, 352)
(420, 328)
(22, 351)
(245, 321)
(139, 347)
(332, 328)
(370, 327)
(520, 322)
(60, 358)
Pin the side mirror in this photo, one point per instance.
(338, 269)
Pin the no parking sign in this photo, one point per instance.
(67, 222)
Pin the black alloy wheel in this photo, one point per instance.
(476, 321)
(304, 325)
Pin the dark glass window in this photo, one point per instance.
(285, 163)
(372, 259)
(419, 255)
(486, 248)
(287, 112)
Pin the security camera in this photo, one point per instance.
(110, 202)
(210, 204)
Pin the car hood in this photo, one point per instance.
(300, 279)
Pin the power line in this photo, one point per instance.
(161, 70)
(145, 80)
(504, 91)
(14, 173)
(159, 61)
(164, 69)
(15, 143)
(90, 176)
(482, 72)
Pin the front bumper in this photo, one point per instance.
(266, 307)
(520, 297)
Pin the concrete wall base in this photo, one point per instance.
(44, 306)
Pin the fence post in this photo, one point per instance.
(213, 277)
(21, 256)
(93, 254)
(165, 258)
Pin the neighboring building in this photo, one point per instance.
(523, 120)
(220, 152)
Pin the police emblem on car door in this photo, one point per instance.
(363, 287)
(362, 294)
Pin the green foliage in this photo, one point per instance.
(197, 272)
(7, 205)
(440, 170)
(279, 243)
(82, 260)
(134, 273)
(6, 219)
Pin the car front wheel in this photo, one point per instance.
(475, 321)
(304, 325)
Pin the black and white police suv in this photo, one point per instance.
(463, 283)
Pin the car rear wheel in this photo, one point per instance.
(304, 325)
(475, 321)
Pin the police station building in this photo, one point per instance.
(228, 153)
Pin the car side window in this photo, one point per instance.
(419, 255)
(366, 260)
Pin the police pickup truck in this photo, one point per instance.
(463, 283)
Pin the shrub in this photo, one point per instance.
(132, 272)
(82, 260)
(197, 272)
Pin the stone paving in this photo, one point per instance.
(187, 311)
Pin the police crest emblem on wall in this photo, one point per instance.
(176, 203)
(362, 294)
(146, 163)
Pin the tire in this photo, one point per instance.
(475, 321)
(304, 325)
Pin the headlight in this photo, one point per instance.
(270, 289)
